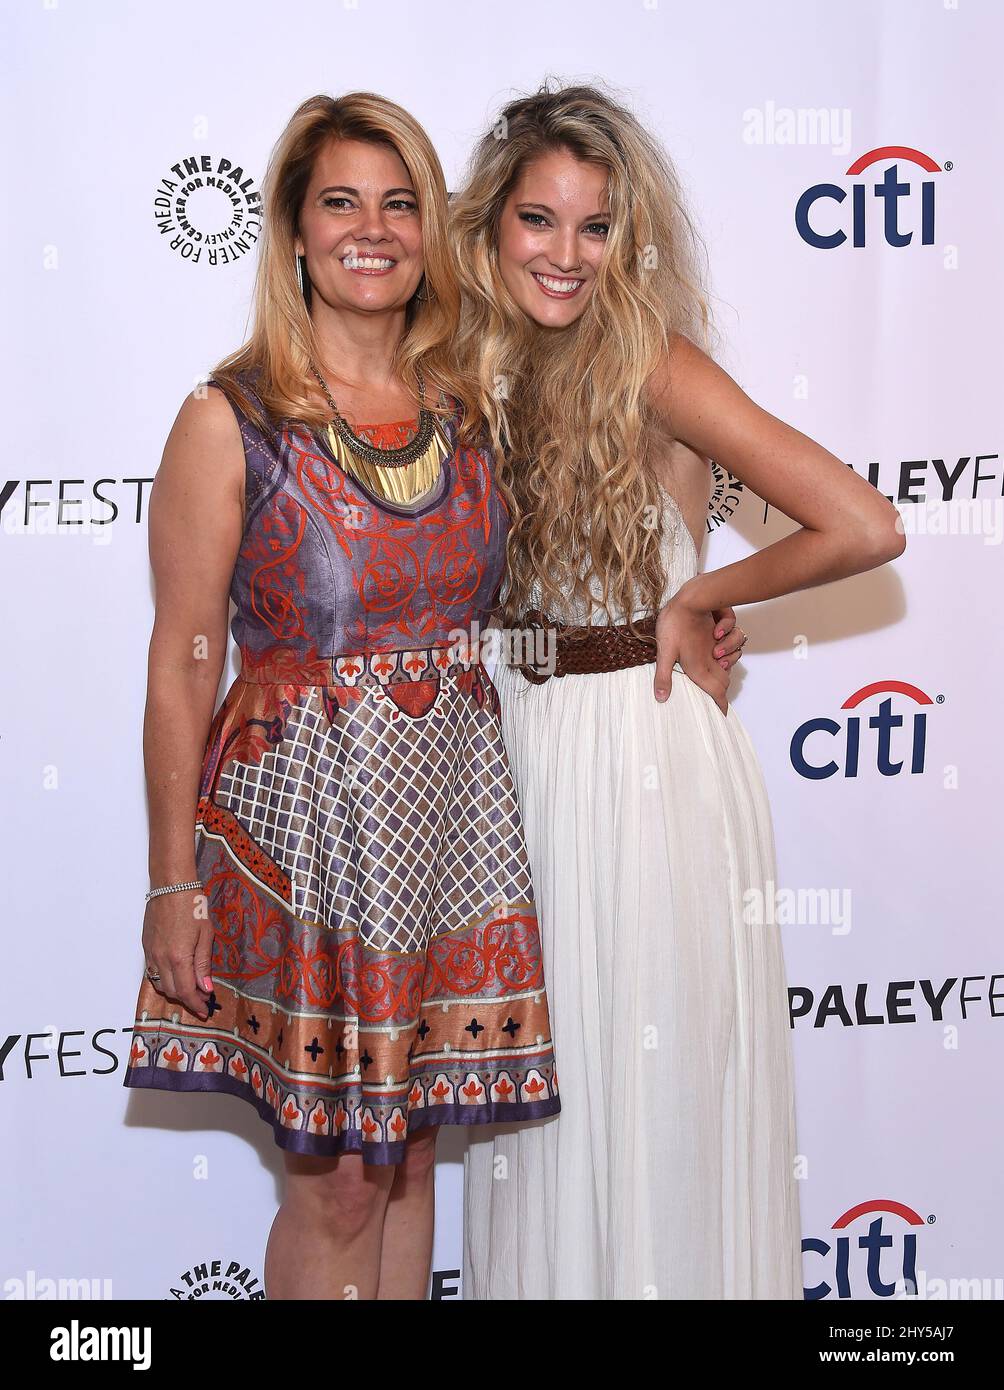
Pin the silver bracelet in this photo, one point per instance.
(174, 888)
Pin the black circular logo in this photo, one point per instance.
(208, 210)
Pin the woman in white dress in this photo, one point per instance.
(670, 1172)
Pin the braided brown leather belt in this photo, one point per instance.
(587, 650)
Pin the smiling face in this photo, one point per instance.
(552, 235)
(360, 228)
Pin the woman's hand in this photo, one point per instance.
(178, 944)
(694, 636)
(729, 639)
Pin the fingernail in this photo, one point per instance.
(718, 631)
(724, 665)
(207, 984)
(660, 694)
(719, 651)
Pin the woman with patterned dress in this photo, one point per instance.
(671, 1171)
(350, 942)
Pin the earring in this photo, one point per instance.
(299, 270)
(422, 298)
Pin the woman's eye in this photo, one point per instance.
(340, 202)
(535, 219)
(599, 228)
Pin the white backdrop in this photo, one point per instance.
(886, 353)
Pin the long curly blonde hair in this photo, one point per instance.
(565, 408)
(282, 340)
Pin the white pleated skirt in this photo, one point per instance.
(670, 1172)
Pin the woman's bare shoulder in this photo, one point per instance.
(205, 445)
(206, 413)
(682, 370)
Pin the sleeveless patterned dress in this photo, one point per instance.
(376, 959)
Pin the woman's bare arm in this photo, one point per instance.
(196, 525)
(847, 527)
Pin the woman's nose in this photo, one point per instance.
(371, 223)
(565, 251)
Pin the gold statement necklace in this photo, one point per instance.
(401, 475)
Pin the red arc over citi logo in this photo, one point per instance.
(814, 220)
(836, 1253)
(843, 740)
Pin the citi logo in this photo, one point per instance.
(814, 217)
(892, 739)
(861, 1257)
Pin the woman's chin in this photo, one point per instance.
(555, 314)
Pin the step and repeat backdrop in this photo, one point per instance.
(843, 163)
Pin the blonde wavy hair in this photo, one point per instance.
(282, 339)
(565, 408)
